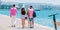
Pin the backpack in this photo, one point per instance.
(34, 14)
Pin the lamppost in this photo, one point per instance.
(0, 3)
(54, 20)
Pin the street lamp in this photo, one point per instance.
(0, 3)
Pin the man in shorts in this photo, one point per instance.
(30, 15)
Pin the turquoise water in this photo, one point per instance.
(42, 16)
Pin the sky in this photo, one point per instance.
(54, 2)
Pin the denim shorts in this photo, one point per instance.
(31, 19)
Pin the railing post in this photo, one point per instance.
(54, 20)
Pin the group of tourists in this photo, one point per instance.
(30, 14)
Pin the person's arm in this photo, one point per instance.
(16, 9)
(28, 12)
(10, 13)
(20, 11)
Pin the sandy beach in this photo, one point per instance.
(5, 22)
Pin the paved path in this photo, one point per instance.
(5, 22)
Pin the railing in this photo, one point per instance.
(54, 20)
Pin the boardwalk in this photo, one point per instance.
(5, 22)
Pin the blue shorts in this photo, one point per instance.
(31, 19)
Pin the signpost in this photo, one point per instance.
(54, 20)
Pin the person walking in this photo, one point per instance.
(23, 16)
(13, 13)
(31, 15)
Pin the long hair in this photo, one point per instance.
(23, 12)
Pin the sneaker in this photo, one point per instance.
(32, 27)
(13, 25)
(23, 27)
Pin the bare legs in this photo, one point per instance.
(31, 24)
(23, 23)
